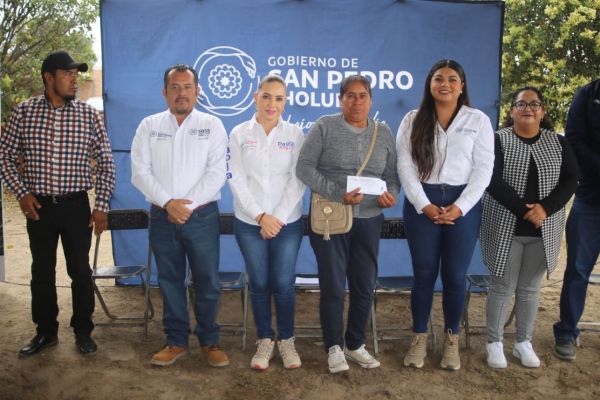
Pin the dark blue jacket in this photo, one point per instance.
(583, 133)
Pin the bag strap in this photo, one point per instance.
(371, 147)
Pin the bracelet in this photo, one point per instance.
(261, 217)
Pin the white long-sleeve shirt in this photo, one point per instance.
(263, 171)
(464, 154)
(187, 161)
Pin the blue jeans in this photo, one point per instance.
(271, 268)
(445, 249)
(583, 247)
(198, 239)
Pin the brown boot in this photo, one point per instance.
(168, 355)
(215, 355)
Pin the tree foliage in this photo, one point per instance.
(551, 44)
(29, 30)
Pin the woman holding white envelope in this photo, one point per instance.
(335, 149)
(445, 162)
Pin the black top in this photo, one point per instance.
(583, 133)
(508, 197)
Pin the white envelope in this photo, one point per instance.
(374, 186)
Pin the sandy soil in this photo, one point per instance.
(121, 368)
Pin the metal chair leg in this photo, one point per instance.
(374, 323)
(433, 334)
(244, 295)
(103, 303)
(511, 317)
(466, 318)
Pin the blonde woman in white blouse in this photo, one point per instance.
(267, 201)
(445, 162)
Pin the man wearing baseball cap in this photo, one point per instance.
(53, 136)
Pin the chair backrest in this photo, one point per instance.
(127, 219)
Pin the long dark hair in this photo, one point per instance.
(545, 123)
(422, 137)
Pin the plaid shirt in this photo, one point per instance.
(56, 146)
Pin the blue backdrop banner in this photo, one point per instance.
(312, 45)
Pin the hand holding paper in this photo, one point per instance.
(374, 186)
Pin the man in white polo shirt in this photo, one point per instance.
(178, 163)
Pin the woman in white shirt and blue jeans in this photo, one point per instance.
(267, 201)
(445, 162)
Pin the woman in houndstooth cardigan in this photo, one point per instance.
(535, 175)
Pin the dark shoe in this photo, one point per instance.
(37, 344)
(565, 349)
(86, 345)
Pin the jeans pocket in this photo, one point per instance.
(209, 215)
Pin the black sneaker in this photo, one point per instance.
(565, 349)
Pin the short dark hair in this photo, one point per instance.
(354, 78)
(179, 68)
(545, 123)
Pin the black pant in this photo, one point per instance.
(351, 256)
(67, 217)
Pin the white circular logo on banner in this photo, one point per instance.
(227, 79)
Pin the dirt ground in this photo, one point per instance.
(121, 369)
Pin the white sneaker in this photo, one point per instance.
(495, 355)
(263, 355)
(362, 357)
(524, 352)
(337, 360)
(288, 353)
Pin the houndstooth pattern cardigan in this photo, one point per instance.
(498, 223)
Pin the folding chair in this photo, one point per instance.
(125, 220)
(482, 283)
(594, 326)
(230, 281)
(307, 283)
(310, 283)
(394, 285)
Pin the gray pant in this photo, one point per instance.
(525, 268)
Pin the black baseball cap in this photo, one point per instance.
(61, 60)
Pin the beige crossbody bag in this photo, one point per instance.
(331, 217)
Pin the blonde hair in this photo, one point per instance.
(271, 78)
